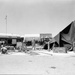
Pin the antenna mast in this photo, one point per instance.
(6, 23)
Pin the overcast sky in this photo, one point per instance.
(36, 16)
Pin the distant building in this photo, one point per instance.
(31, 38)
(45, 36)
(10, 39)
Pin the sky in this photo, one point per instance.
(36, 16)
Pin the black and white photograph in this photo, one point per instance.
(37, 37)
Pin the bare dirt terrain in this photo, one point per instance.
(38, 63)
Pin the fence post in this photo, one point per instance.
(48, 46)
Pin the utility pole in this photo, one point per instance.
(48, 46)
(6, 23)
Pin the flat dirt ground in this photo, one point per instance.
(38, 63)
